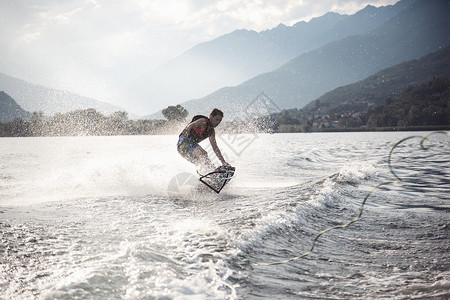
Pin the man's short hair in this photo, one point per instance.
(216, 112)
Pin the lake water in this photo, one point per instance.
(125, 218)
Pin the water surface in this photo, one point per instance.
(124, 218)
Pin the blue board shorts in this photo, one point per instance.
(186, 145)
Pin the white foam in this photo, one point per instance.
(356, 172)
(275, 219)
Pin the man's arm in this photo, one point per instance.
(212, 140)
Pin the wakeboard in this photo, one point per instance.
(217, 179)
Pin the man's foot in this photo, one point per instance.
(205, 169)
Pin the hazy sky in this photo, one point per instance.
(85, 45)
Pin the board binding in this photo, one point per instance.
(217, 179)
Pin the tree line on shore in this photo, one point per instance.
(89, 122)
(426, 105)
(82, 122)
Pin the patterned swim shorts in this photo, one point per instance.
(186, 145)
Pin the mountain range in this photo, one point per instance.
(33, 97)
(243, 54)
(291, 65)
(417, 30)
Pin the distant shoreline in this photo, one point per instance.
(381, 129)
(324, 130)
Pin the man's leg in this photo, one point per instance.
(201, 156)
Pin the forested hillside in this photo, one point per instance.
(421, 105)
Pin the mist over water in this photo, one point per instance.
(100, 217)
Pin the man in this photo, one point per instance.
(198, 130)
